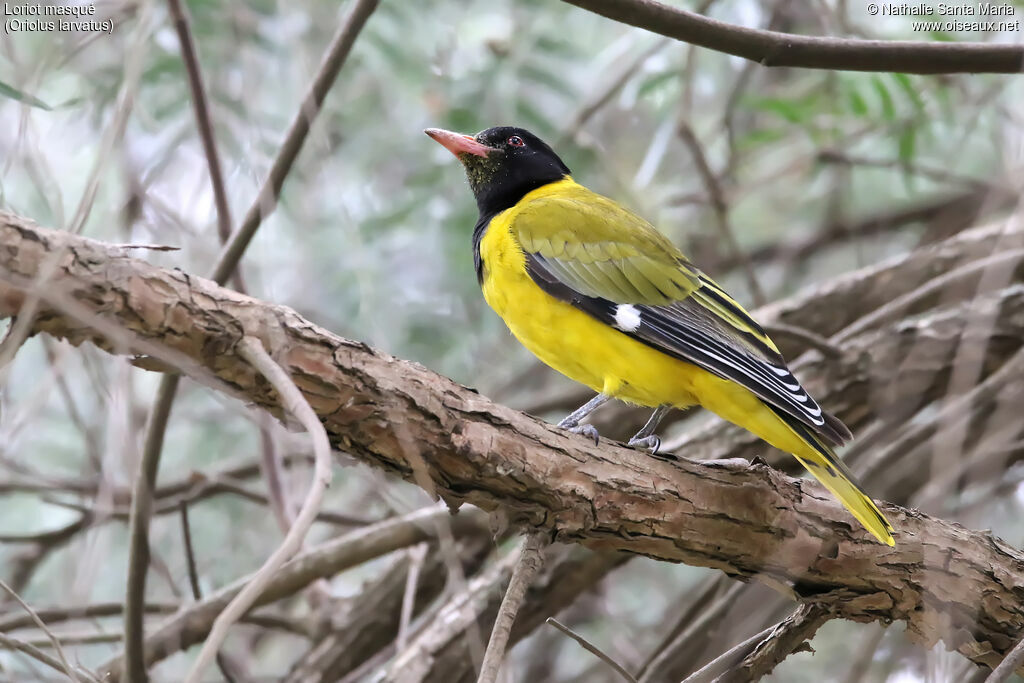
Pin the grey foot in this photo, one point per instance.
(587, 430)
(651, 443)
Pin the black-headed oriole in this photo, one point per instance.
(600, 295)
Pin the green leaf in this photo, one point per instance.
(907, 143)
(792, 110)
(903, 80)
(888, 108)
(15, 94)
(858, 105)
(557, 46)
(760, 136)
(656, 81)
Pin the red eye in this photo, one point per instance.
(516, 141)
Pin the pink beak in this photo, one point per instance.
(457, 144)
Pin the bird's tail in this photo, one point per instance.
(821, 461)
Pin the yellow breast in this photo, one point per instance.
(570, 341)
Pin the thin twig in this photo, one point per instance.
(656, 668)
(190, 557)
(33, 652)
(273, 473)
(614, 85)
(450, 621)
(269, 193)
(721, 209)
(251, 349)
(168, 388)
(87, 638)
(202, 490)
(590, 647)
(138, 533)
(417, 554)
(898, 306)
(42, 627)
(531, 559)
(193, 581)
(204, 122)
(809, 339)
(12, 622)
(832, 156)
(94, 611)
(729, 658)
(51, 537)
(150, 247)
(690, 69)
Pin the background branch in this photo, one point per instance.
(772, 48)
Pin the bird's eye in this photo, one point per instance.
(516, 141)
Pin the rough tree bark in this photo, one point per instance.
(949, 584)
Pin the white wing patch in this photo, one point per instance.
(627, 317)
(797, 392)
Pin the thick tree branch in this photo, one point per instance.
(771, 48)
(753, 522)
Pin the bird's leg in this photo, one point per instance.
(572, 420)
(645, 438)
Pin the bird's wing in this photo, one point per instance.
(599, 249)
(606, 261)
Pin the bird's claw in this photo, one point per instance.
(587, 430)
(651, 443)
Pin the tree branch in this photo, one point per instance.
(531, 559)
(784, 639)
(591, 648)
(948, 583)
(191, 624)
(772, 48)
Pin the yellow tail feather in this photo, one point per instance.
(836, 478)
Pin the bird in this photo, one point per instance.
(600, 295)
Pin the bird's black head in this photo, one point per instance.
(502, 164)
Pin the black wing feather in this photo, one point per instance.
(683, 330)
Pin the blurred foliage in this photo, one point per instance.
(371, 239)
